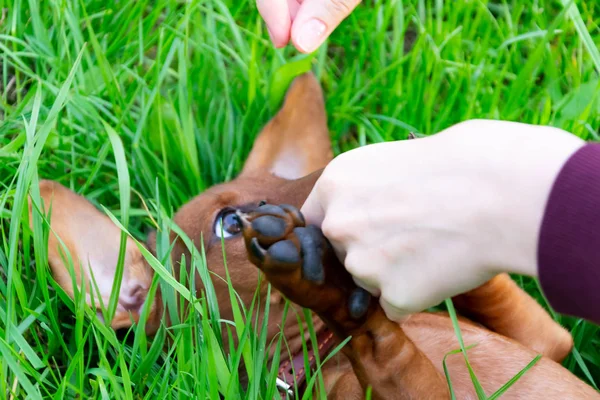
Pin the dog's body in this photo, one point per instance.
(507, 325)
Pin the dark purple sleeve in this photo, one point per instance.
(569, 242)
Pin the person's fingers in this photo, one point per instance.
(312, 209)
(276, 14)
(369, 288)
(294, 6)
(316, 19)
(364, 270)
(393, 313)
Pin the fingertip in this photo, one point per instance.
(316, 20)
(278, 21)
(393, 313)
(278, 35)
(309, 28)
(309, 35)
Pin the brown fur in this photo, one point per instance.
(283, 166)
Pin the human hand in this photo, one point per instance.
(419, 221)
(306, 22)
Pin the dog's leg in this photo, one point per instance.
(300, 263)
(345, 387)
(502, 306)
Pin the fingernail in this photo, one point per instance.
(311, 35)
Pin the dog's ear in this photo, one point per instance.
(296, 141)
(81, 233)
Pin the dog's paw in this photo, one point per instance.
(299, 261)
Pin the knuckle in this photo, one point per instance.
(330, 228)
(356, 265)
(387, 254)
(352, 264)
(336, 226)
(396, 251)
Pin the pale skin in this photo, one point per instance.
(305, 23)
(419, 221)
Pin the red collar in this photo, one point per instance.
(292, 371)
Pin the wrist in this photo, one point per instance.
(538, 155)
(515, 166)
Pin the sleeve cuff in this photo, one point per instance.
(569, 241)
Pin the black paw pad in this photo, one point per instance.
(358, 303)
(270, 209)
(311, 244)
(284, 252)
(269, 226)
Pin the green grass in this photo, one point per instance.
(141, 105)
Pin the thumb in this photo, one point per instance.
(316, 19)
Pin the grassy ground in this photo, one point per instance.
(186, 86)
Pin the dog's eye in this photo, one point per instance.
(227, 224)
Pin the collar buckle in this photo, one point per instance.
(283, 386)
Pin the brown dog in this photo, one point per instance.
(396, 361)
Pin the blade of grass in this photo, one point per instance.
(124, 195)
(476, 384)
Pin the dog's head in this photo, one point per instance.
(282, 167)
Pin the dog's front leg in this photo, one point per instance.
(299, 262)
(503, 307)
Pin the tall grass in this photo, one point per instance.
(141, 105)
